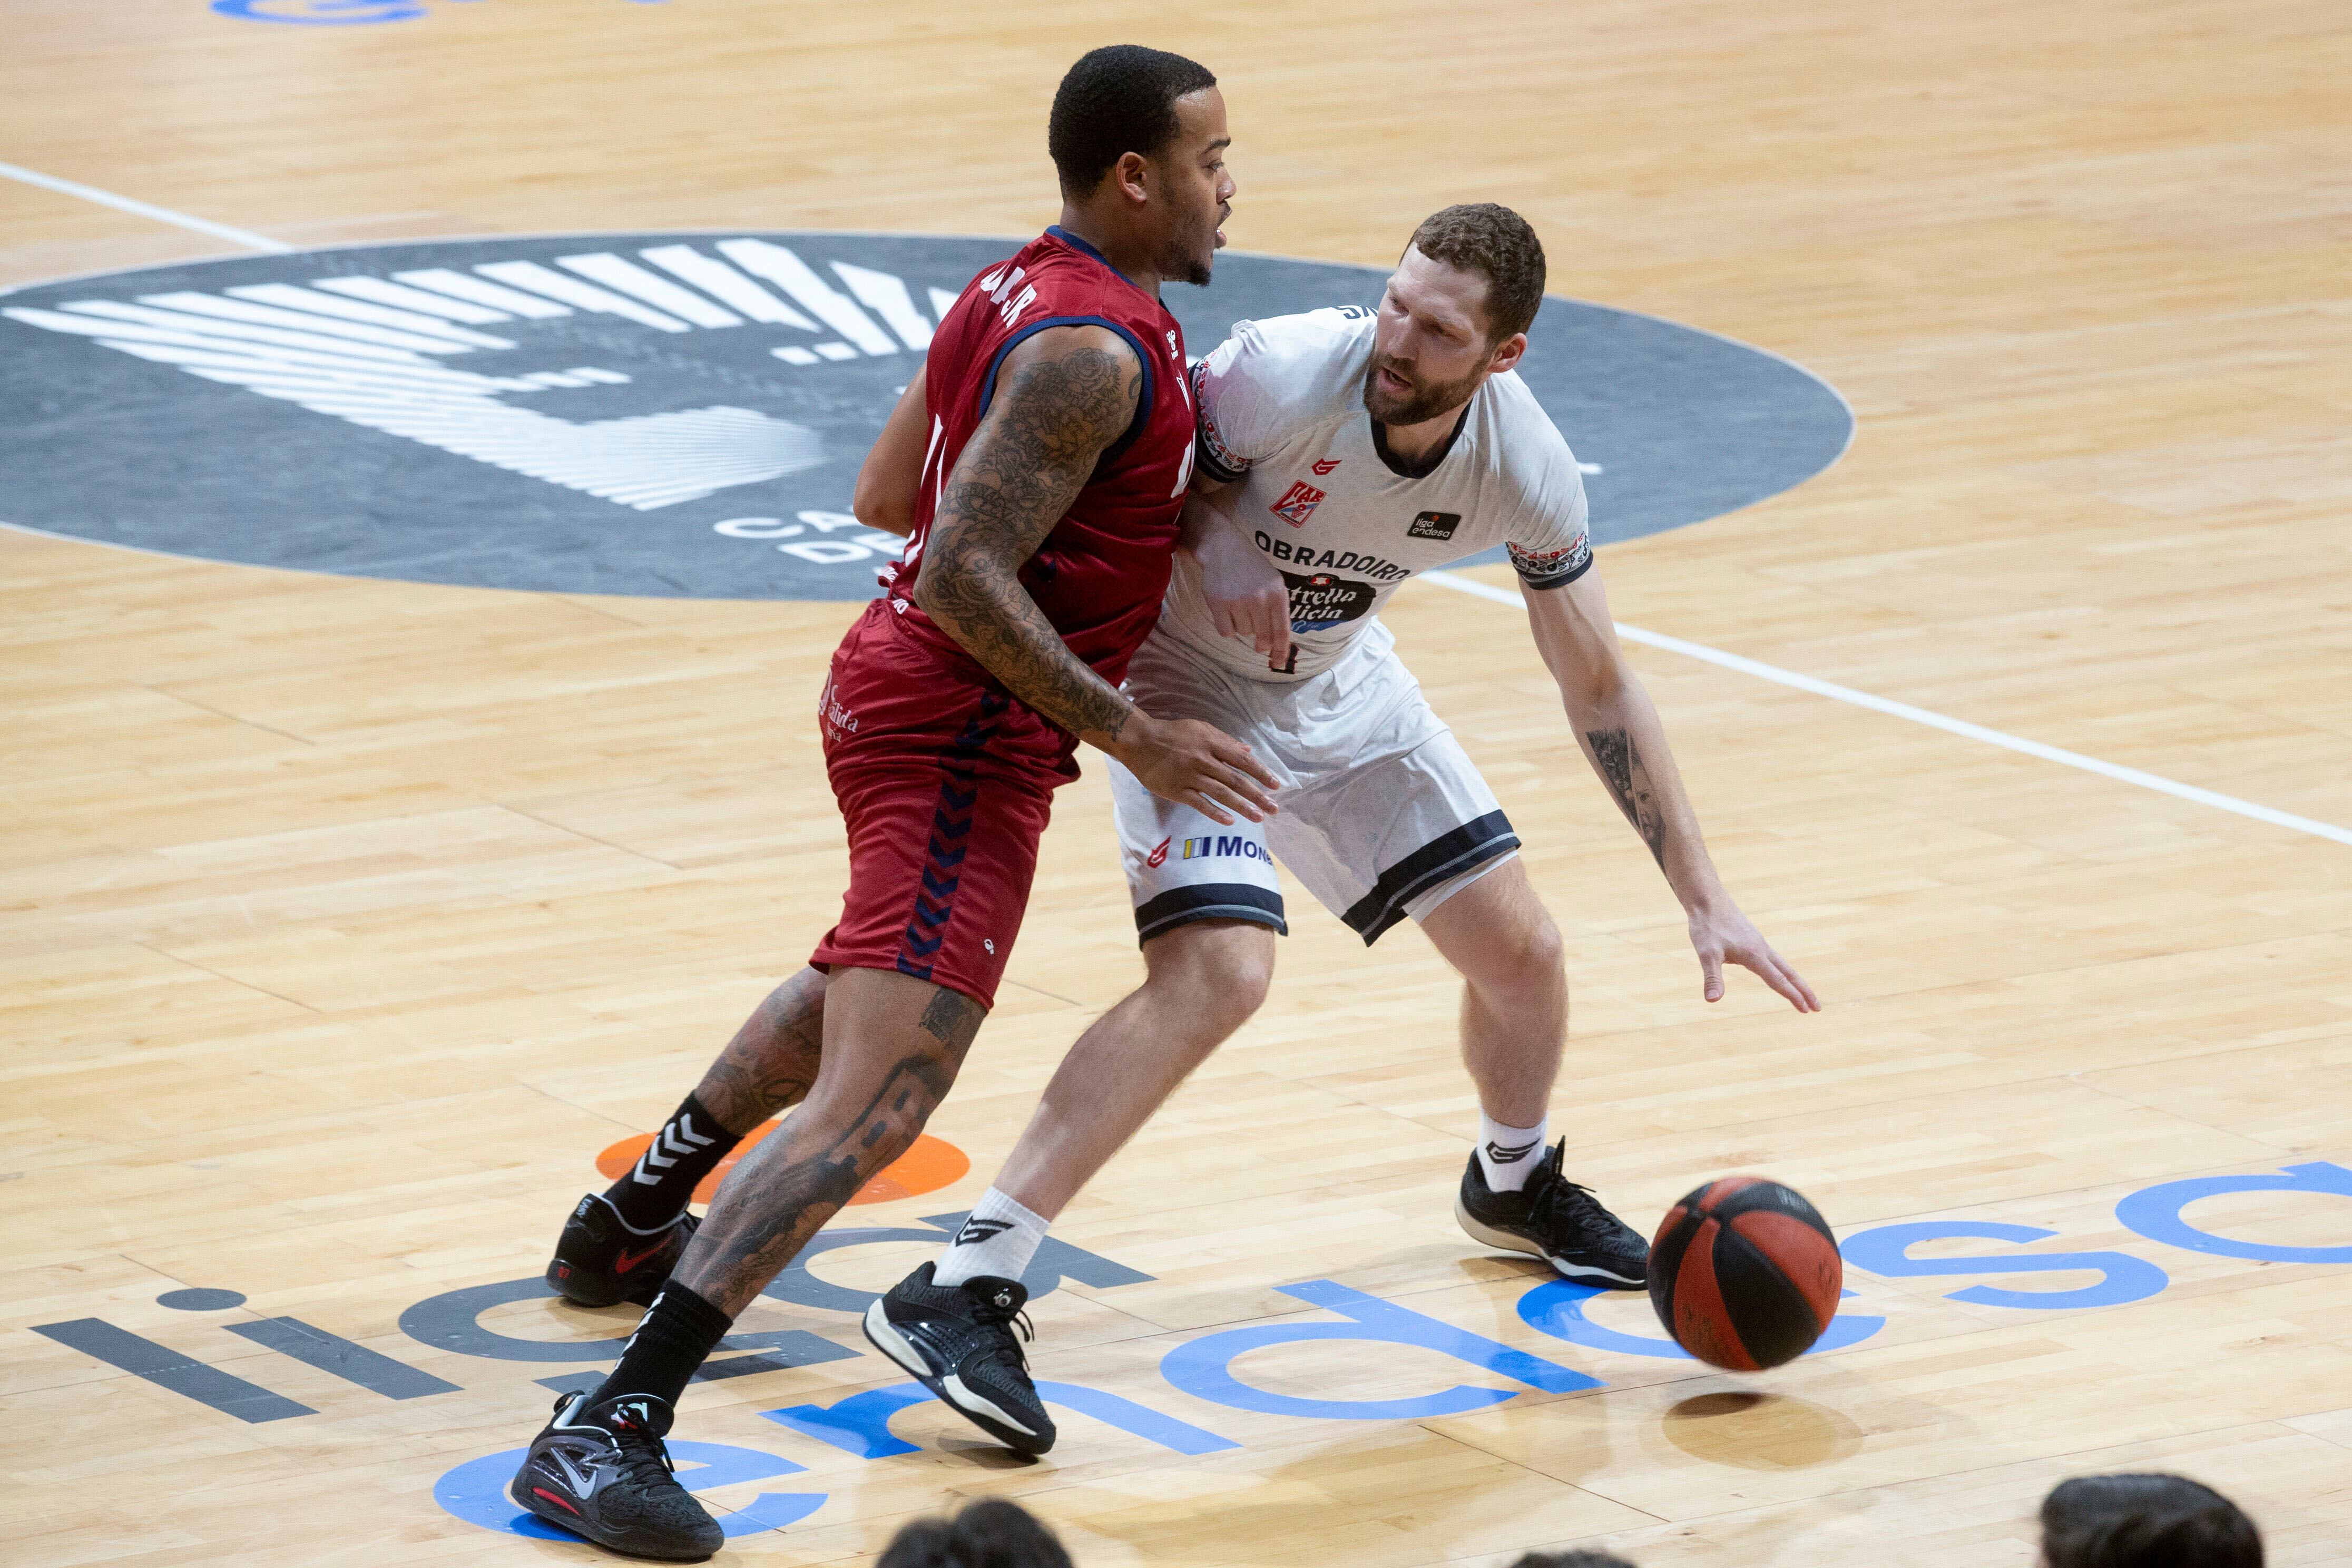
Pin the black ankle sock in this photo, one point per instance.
(688, 1148)
(676, 1334)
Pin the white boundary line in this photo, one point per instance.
(144, 209)
(1960, 727)
(1476, 589)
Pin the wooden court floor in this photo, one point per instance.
(344, 923)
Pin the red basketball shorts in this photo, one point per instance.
(945, 784)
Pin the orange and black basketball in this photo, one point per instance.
(1745, 1274)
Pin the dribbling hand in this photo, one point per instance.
(1721, 932)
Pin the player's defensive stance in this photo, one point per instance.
(1053, 434)
(1341, 452)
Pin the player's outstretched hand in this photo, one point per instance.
(1246, 596)
(1198, 765)
(1723, 933)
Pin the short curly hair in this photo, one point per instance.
(1117, 100)
(2146, 1520)
(1499, 244)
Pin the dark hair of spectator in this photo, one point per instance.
(991, 1533)
(1495, 243)
(2145, 1522)
(1117, 100)
(1570, 1560)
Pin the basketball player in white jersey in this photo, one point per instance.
(1339, 452)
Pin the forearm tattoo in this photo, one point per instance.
(1622, 769)
(797, 1178)
(1014, 480)
(772, 1059)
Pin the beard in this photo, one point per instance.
(1425, 402)
(1190, 259)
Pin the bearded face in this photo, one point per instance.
(1395, 395)
(1431, 347)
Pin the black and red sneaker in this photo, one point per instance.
(602, 1472)
(601, 1262)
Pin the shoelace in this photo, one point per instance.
(988, 1314)
(1561, 1198)
(642, 1454)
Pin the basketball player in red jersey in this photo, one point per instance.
(1054, 432)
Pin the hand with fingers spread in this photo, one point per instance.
(1719, 931)
(1245, 593)
(1198, 765)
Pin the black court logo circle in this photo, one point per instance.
(677, 415)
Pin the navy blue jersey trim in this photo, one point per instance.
(1143, 406)
(1083, 248)
(1209, 902)
(1447, 855)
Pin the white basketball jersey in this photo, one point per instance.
(1281, 410)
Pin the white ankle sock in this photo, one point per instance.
(1510, 1155)
(998, 1239)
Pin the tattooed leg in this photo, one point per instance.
(1622, 768)
(892, 1048)
(772, 1059)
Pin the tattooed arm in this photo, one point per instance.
(1619, 731)
(1063, 396)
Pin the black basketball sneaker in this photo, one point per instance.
(958, 1339)
(1553, 1218)
(599, 1262)
(601, 1472)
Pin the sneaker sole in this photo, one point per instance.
(625, 1543)
(570, 1289)
(949, 1390)
(1503, 1240)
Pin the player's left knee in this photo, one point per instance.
(1526, 957)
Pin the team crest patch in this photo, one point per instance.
(1297, 504)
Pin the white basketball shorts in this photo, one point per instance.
(1382, 814)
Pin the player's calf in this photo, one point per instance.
(897, 1045)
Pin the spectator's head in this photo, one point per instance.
(2145, 1522)
(1570, 1560)
(989, 1533)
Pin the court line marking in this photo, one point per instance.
(1932, 721)
(145, 209)
(1476, 589)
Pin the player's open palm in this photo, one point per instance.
(1198, 765)
(1723, 935)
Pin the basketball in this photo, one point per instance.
(1745, 1274)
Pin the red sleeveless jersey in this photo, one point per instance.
(1100, 575)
